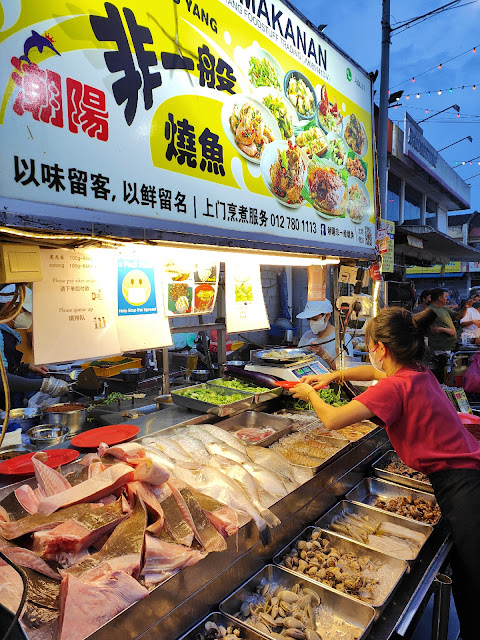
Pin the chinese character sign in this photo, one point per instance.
(233, 117)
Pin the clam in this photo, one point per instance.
(310, 634)
(293, 623)
(287, 596)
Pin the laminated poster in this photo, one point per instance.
(245, 304)
(190, 287)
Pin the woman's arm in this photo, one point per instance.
(363, 373)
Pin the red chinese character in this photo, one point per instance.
(87, 109)
(40, 93)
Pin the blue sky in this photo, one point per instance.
(354, 25)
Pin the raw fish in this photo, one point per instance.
(50, 482)
(148, 470)
(225, 436)
(11, 508)
(27, 498)
(259, 497)
(89, 515)
(203, 436)
(195, 448)
(26, 558)
(85, 607)
(11, 587)
(144, 491)
(175, 523)
(223, 518)
(123, 549)
(93, 489)
(125, 452)
(226, 451)
(172, 449)
(270, 481)
(163, 559)
(154, 453)
(204, 531)
(271, 460)
(214, 483)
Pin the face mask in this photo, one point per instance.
(378, 365)
(23, 320)
(317, 326)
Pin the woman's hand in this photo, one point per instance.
(302, 390)
(41, 370)
(320, 380)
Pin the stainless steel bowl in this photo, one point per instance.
(15, 450)
(199, 375)
(45, 435)
(236, 363)
(74, 419)
(133, 375)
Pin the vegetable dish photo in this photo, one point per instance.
(301, 94)
(313, 141)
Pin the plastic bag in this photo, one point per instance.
(40, 400)
(471, 378)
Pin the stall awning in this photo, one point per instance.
(438, 247)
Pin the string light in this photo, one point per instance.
(418, 95)
(440, 91)
(474, 50)
(413, 79)
(440, 66)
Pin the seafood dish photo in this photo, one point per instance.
(356, 168)
(287, 173)
(251, 133)
(204, 297)
(328, 115)
(300, 92)
(313, 141)
(262, 73)
(327, 189)
(283, 114)
(358, 200)
(355, 135)
(179, 297)
(337, 150)
(342, 565)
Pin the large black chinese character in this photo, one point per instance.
(212, 153)
(53, 176)
(98, 187)
(130, 192)
(180, 205)
(126, 89)
(181, 141)
(78, 181)
(21, 174)
(206, 66)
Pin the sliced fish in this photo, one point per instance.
(26, 558)
(175, 523)
(223, 518)
(163, 559)
(49, 481)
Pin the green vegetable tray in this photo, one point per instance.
(222, 410)
(259, 396)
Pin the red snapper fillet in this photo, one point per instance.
(163, 559)
(86, 606)
(90, 490)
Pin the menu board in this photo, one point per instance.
(244, 302)
(224, 117)
(190, 287)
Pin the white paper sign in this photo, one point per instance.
(74, 310)
(245, 305)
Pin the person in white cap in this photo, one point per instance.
(17, 371)
(321, 336)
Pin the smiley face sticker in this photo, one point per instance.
(136, 288)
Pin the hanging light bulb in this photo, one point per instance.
(418, 95)
(474, 51)
(440, 66)
(413, 79)
(426, 110)
(439, 92)
(451, 90)
(407, 97)
(458, 115)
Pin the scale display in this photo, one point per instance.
(291, 372)
(314, 368)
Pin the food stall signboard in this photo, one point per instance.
(232, 117)
(388, 262)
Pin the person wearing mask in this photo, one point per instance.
(424, 301)
(425, 430)
(18, 371)
(443, 335)
(321, 337)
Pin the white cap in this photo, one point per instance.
(8, 292)
(315, 307)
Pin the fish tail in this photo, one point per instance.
(265, 535)
(270, 518)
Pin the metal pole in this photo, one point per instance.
(442, 587)
(383, 108)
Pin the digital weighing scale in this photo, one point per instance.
(307, 366)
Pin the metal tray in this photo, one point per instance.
(262, 396)
(293, 355)
(369, 489)
(221, 410)
(377, 516)
(380, 472)
(281, 425)
(396, 567)
(355, 613)
(219, 619)
(332, 442)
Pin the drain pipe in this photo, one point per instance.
(442, 587)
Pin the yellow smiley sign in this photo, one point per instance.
(136, 287)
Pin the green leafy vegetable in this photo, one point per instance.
(238, 384)
(210, 396)
(327, 395)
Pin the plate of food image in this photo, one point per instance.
(299, 90)
(312, 140)
(358, 200)
(356, 166)
(281, 109)
(204, 298)
(179, 297)
(249, 126)
(355, 135)
(283, 167)
(261, 68)
(326, 189)
(337, 150)
(328, 115)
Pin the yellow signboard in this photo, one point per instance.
(233, 116)
(451, 267)
(388, 257)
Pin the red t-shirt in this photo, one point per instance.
(421, 422)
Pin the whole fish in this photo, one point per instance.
(225, 451)
(259, 497)
(195, 448)
(154, 453)
(203, 436)
(271, 460)
(217, 485)
(270, 481)
(172, 449)
(225, 436)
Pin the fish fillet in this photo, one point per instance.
(27, 498)
(163, 559)
(26, 558)
(49, 481)
(223, 518)
(175, 523)
(204, 531)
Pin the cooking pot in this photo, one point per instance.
(133, 375)
(15, 450)
(73, 416)
(199, 375)
(45, 435)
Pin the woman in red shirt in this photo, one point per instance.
(426, 432)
